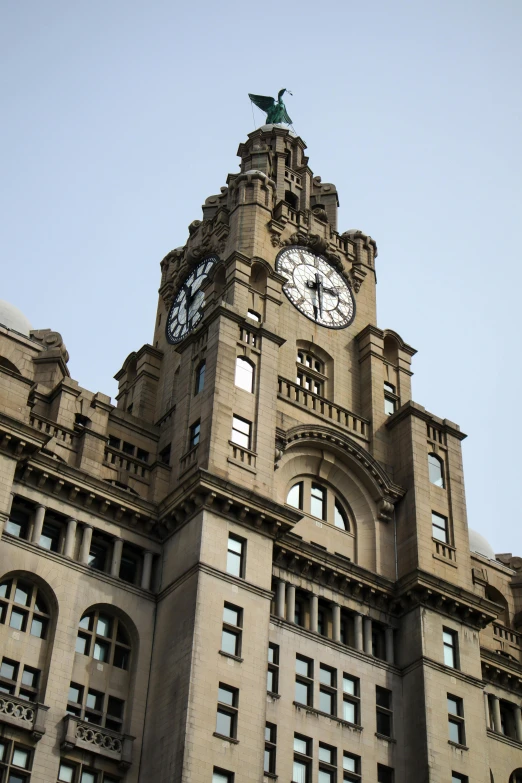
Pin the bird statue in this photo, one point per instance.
(275, 110)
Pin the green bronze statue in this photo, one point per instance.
(275, 110)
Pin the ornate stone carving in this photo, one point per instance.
(52, 342)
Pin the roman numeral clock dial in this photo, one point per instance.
(187, 308)
(317, 290)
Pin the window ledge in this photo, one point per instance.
(233, 740)
(271, 775)
(497, 735)
(386, 738)
(336, 718)
(457, 745)
(229, 655)
(273, 695)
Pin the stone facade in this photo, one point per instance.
(157, 570)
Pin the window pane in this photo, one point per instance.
(229, 642)
(230, 615)
(3, 751)
(383, 697)
(200, 378)
(50, 537)
(349, 685)
(8, 670)
(349, 712)
(30, 677)
(38, 628)
(244, 374)
(299, 772)
(226, 695)
(241, 425)
(326, 676)
(384, 724)
(20, 758)
(325, 776)
(101, 651)
(220, 777)
(85, 622)
(449, 656)
(454, 732)
(22, 595)
(88, 777)
(82, 645)
(302, 667)
(301, 745)
(17, 620)
(224, 723)
(121, 657)
(301, 692)
(453, 706)
(94, 700)
(295, 496)
(435, 470)
(340, 518)
(389, 406)
(326, 754)
(349, 763)
(14, 777)
(233, 564)
(75, 693)
(103, 626)
(317, 501)
(14, 528)
(66, 773)
(326, 702)
(270, 681)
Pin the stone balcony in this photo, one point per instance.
(23, 714)
(105, 742)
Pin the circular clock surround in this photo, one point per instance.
(315, 288)
(187, 308)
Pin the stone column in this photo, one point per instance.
(314, 612)
(290, 603)
(70, 538)
(368, 635)
(280, 598)
(518, 722)
(497, 723)
(388, 636)
(486, 707)
(38, 524)
(86, 544)
(336, 622)
(147, 570)
(358, 627)
(116, 556)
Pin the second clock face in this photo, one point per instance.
(316, 288)
(187, 308)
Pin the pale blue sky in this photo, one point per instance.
(120, 117)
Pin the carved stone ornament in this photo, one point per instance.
(51, 341)
(385, 509)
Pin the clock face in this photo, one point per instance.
(316, 288)
(187, 308)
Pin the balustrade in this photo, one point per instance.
(125, 462)
(23, 714)
(105, 742)
(188, 459)
(49, 427)
(445, 550)
(243, 455)
(297, 394)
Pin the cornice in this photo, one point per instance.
(203, 490)
(501, 671)
(20, 440)
(205, 568)
(411, 408)
(429, 663)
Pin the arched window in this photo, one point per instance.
(23, 607)
(320, 502)
(103, 637)
(516, 776)
(436, 469)
(9, 365)
(99, 696)
(200, 377)
(244, 374)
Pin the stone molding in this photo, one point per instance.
(411, 408)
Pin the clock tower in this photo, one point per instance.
(257, 564)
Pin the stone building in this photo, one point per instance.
(257, 564)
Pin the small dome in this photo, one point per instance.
(480, 545)
(14, 319)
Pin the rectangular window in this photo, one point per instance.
(351, 767)
(66, 773)
(29, 684)
(241, 432)
(351, 700)
(200, 378)
(383, 698)
(226, 718)
(327, 763)
(318, 501)
(439, 527)
(302, 767)
(128, 448)
(456, 778)
(389, 406)
(385, 774)
(272, 680)
(75, 699)
(194, 433)
(450, 647)
(231, 633)
(270, 748)
(165, 455)
(390, 398)
(236, 556)
(327, 690)
(456, 731)
(304, 683)
(19, 519)
(50, 537)
(142, 455)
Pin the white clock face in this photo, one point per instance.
(316, 288)
(187, 308)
